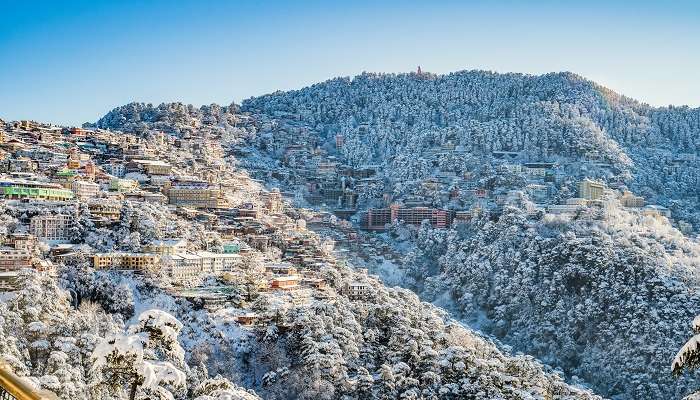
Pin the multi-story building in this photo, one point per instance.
(339, 141)
(137, 151)
(103, 208)
(628, 199)
(166, 246)
(53, 227)
(577, 201)
(563, 208)
(116, 168)
(146, 197)
(195, 194)
(185, 266)
(21, 241)
(591, 190)
(656, 211)
(122, 185)
(73, 159)
(14, 259)
(281, 269)
(125, 261)
(416, 215)
(154, 167)
(78, 132)
(538, 193)
(22, 164)
(22, 189)
(232, 247)
(288, 282)
(327, 168)
(273, 201)
(376, 219)
(84, 190)
(357, 290)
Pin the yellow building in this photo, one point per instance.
(73, 159)
(591, 190)
(126, 261)
(195, 194)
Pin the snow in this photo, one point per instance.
(130, 345)
(156, 373)
(162, 320)
(690, 347)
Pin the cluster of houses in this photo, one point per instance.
(53, 177)
(448, 196)
(593, 193)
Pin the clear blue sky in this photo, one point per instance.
(70, 62)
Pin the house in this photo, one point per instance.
(248, 319)
(288, 282)
(281, 269)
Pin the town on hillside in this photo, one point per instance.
(220, 238)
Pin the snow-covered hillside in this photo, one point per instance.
(83, 329)
(389, 119)
(604, 296)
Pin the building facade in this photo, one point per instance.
(14, 259)
(84, 190)
(18, 189)
(125, 261)
(54, 227)
(591, 190)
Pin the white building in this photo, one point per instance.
(84, 190)
(186, 266)
(358, 290)
(54, 227)
(656, 211)
(563, 208)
